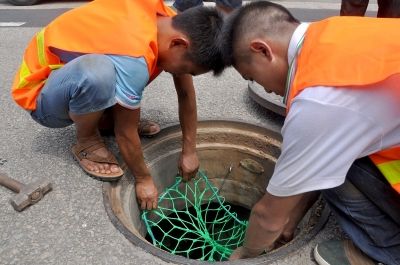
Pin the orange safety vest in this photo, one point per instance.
(120, 27)
(353, 52)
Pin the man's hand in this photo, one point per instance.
(245, 253)
(267, 221)
(146, 192)
(284, 238)
(188, 165)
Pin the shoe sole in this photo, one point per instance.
(320, 260)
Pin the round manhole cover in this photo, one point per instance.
(270, 101)
(249, 150)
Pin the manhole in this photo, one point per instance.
(251, 150)
(270, 101)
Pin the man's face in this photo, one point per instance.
(256, 66)
(180, 66)
(176, 62)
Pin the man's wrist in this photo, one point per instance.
(189, 146)
(189, 151)
(254, 251)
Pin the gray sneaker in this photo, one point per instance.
(338, 252)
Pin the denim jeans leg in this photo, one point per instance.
(84, 85)
(389, 8)
(229, 4)
(182, 5)
(368, 210)
(353, 7)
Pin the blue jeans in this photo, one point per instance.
(84, 85)
(368, 210)
(182, 5)
(387, 8)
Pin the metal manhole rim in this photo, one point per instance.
(290, 249)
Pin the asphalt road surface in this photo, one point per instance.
(70, 226)
(37, 17)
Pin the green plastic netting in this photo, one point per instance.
(193, 220)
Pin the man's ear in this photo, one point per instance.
(179, 41)
(260, 46)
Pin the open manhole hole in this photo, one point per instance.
(251, 151)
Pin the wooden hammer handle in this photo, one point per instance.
(10, 183)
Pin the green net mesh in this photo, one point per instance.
(193, 220)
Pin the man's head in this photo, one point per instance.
(188, 42)
(255, 40)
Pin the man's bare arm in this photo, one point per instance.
(267, 221)
(126, 133)
(188, 163)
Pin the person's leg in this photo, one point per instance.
(78, 93)
(368, 210)
(146, 128)
(227, 6)
(353, 7)
(182, 5)
(389, 8)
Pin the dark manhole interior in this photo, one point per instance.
(198, 253)
(220, 144)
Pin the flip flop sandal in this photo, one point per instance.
(148, 128)
(85, 151)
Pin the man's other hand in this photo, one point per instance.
(245, 253)
(146, 193)
(188, 165)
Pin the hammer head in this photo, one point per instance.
(30, 194)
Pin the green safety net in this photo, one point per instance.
(193, 220)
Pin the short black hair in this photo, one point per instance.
(256, 18)
(203, 26)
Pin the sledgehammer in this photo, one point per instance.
(27, 194)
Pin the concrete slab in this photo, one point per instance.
(70, 226)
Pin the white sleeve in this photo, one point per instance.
(320, 143)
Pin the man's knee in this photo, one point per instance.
(98, 72)
(96, 86)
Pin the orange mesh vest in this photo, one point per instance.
(120, 27)
(353, 52)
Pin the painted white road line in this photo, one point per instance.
(11, 24)
(48, 5)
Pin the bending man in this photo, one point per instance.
(340, 81)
